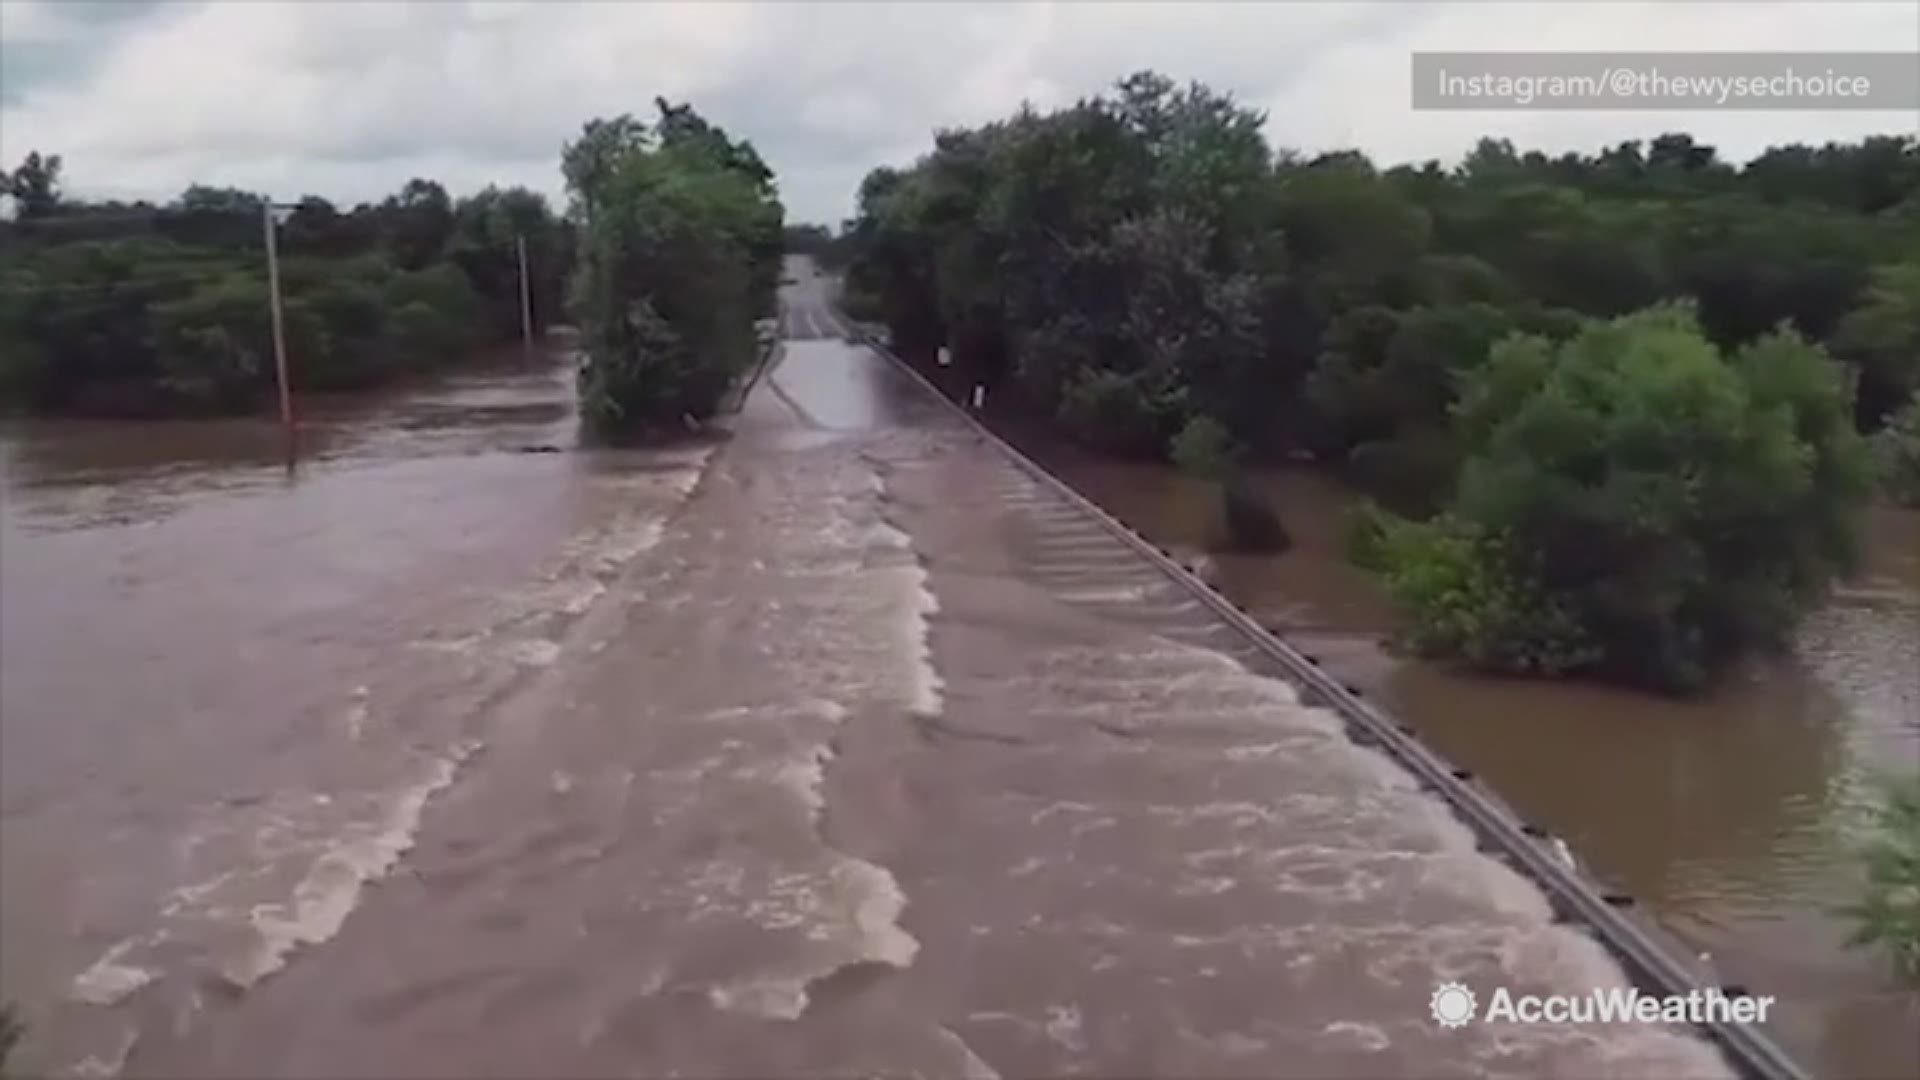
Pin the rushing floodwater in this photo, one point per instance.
(1732, 815)
(230, 687)
(834, 747)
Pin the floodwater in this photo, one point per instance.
(228, 688)
(833, 746)
(1730, 816)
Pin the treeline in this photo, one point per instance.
(163, 309)
(820, 244)
(1635, 495)
(680, 254)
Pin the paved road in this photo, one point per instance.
(883, 761)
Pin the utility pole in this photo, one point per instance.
(279, 329)
(526, 301)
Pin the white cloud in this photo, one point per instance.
(351, 99)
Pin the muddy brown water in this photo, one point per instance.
(228, 686)
(1731, 816)
(813, 751)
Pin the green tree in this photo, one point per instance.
(1881, 339)
(1636, 504)
(1887, 915)
(1897, 453)
(1206, 450)
(674, 262)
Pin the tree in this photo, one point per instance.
(1881, 339)
(673, 263)
(1897, 453)
(133, 309)
(34, 185)
(419, 221)
(1636, 504)
(1248, 523)
(487, 228)
(588, 162)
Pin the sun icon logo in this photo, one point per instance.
(1452, 1005)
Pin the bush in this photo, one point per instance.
(1121, 414)
(1896, 451)
(1635, 504)
(1249, 523)
(216, 344)
(1204, 448)
(1888, 913)
(1467, 604)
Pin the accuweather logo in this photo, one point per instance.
(1454, 1005)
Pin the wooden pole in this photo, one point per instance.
(279, 328)
(526, 302)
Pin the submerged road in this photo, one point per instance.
(880, 759)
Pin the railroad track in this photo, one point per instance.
(1141, 582)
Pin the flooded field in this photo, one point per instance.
(1731, 815)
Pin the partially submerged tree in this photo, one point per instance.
(1247, 520)
(680, 252)
(1636, 503)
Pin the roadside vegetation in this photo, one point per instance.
(818, 243)
(135, 308)
(1897, 453)
(1888, 915)
(1613, 404)
(680, 254)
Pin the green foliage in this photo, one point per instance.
(1204, 448)
(1130, 415)
(1467, 604)
(1881, 337)
(170, 313)
(1364, 531)
(487, 226)
(818, 243)
(1095, 260)
(1896, 451)
(1887, 915)
(681, 253)
(1638, 499)
(1635, 503)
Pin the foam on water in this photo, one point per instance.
(332, 887)
(768, 998)
(107, 981)
(928, 694)
(533, 652)
(356, 714)
(971, 1066)
(94, 1065)
(1111, 594)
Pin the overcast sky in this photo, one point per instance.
(349, 100)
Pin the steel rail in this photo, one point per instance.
(1526, 847)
